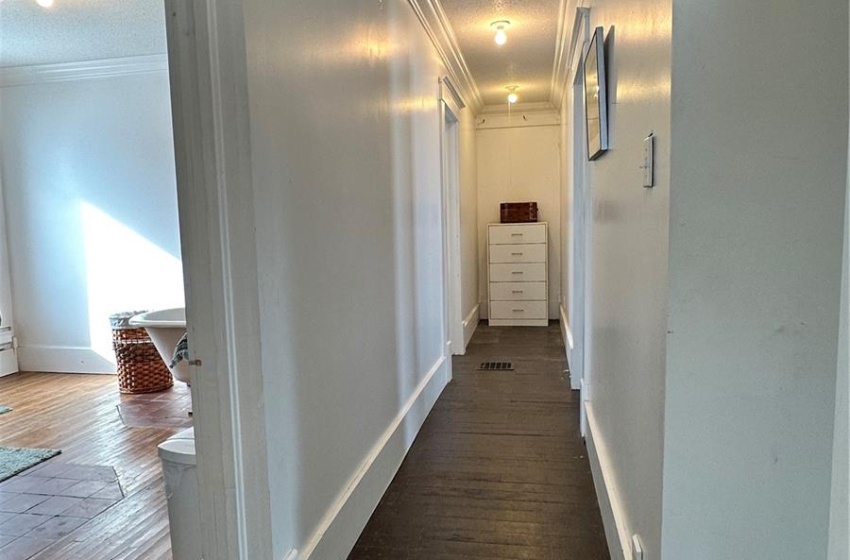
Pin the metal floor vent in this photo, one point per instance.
(496, 366)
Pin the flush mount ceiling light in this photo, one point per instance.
(512, 96)
(501, 27)
(45, 3)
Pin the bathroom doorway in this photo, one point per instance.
(88, 227)
(450, 109)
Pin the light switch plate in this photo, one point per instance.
(649, 161)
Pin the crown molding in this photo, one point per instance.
(72, 71)
(559, 71)
(565, 50)
(450, 87)
(436, 24)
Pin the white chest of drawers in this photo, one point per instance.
(518, 272)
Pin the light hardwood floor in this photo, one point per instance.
(93, 424)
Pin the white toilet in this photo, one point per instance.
(177, 454)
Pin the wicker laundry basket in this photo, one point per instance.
(140, 367)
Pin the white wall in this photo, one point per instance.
(627, 317)
(346, 166)
(517, 164)
(468, 216)
(716, 293)
(839, 514)
(839, 519)
(91, 209)
(756, 222)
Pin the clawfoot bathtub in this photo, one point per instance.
(166, 327)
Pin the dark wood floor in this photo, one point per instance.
(94, 425)
(499, 469)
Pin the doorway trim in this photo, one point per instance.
(207, 68)
(580, 220)
(450, 107)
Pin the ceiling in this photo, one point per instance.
(78, 30)
(75, 30)
(526, 60)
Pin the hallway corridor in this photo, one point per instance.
(499, 469)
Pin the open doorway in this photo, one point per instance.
(582, 220)
(88, 177)
(89, 228)
(582, 212)
(450, 107)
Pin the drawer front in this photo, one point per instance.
(518, 253)
(514, 234)
(517, 291)
(525, 272)
(518, 310)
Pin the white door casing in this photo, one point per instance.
(582, 220)
(207, 67)
(450, 106)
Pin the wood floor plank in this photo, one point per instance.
(498, 470)
(80, 415)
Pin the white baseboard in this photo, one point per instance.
(610, 505)
(565, 329)
(63, 359)
(8, 362)
(569, 345)
(345, 519)
(470, 324)
(553, 309)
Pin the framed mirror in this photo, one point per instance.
(595, 98)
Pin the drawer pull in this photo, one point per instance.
(517, 291)
(518, 310)
(516, 254)
(516, 235)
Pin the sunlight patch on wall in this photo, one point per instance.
(125, 272)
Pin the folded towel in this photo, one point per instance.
(181, 352)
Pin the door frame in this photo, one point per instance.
(450, 107)
(581, 287)
(208, 73)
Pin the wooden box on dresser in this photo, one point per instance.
(518, 274)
